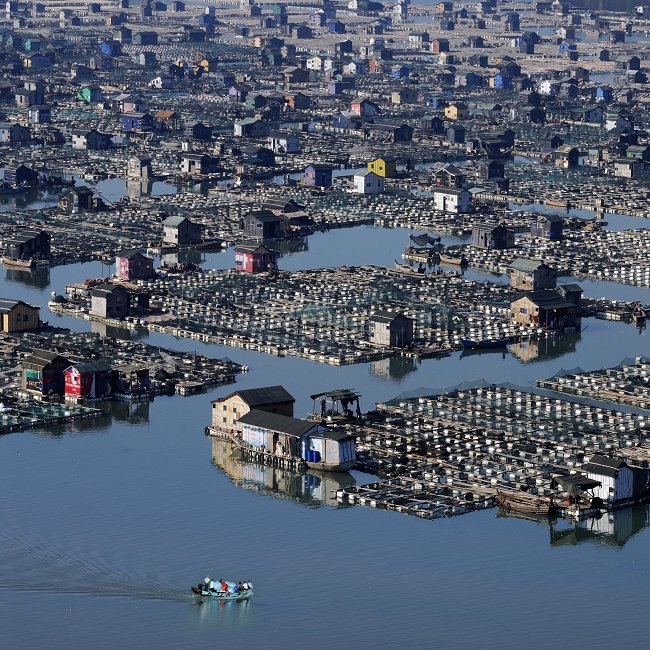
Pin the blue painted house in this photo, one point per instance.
(501, 82)
(111, 48)
(137, 122)
(400, 72)
(336, 27)
(604, 93)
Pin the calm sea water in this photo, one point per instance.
(107, 524)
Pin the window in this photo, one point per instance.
(523, 310)
(224, 419)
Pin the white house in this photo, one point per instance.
(162, 82)
(548, 87)
(315, 63)
(284, 142)
(353, 68)
(615, 477)
(629, 168)
(617, 121)
(447, 199)
(368, 183)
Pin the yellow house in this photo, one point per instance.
(385, 167)
(457, 111)
(227, 410)
(18, 316)
(208, 65)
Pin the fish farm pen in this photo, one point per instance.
(627, 383)
(323, 314)
(169, 371)
(453, 451)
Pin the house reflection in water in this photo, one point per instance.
(614, 528)
(393, 367)
(312, 488)
(545, 348)
(38, 277)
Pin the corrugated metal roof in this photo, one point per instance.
(261, 396)
(277, 422)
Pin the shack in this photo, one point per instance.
(133, 265)
(109, 301)
(88, 380)
(616, 478)
(131, 380)
(254, 258)
(263, 224)
(390, 329)
(18, 316)
(452, 200)
(548, 226)
(29, 245)
(43, 373)
(180, 231)
(531, 275)
(549, 308)
(227, 411)
(492, 237)
(279, 434)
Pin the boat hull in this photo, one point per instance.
(450, 259)
(22, 264)
(221, 595)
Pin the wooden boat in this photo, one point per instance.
(222, 595)
(556, 203)
(23, 264)
(453, 259)
(405, 268)
(485, 345)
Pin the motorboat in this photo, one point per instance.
(231, 593)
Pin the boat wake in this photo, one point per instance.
(30, 566)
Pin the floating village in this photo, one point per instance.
(194, 151)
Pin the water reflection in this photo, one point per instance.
(138, 188)
(545, 348)
(612, 529)
(121, 333)
(36, 198)
(394, 367)
(290, 246)
(311, 488)
(99, 422)
(133, 412)
(38, 277)
(218, 614)
(183, 256)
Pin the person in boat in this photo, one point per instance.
(224, 585)
(206, 582)
(211, 586)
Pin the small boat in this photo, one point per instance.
(405, 268)
(458, 260)
(14, 261)
(202, 592)
(485, 345)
